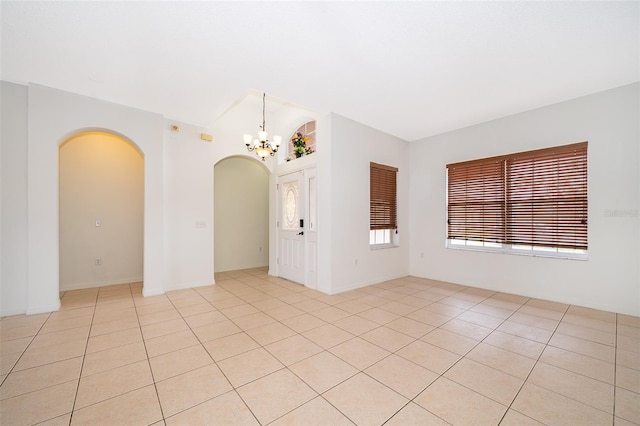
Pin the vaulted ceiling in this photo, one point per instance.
(411, 69)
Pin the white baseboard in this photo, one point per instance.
(355, 286)
(31, 310)
(192, 284)
(12, 312)
(239, 267)
(155, 292)
(78, 286)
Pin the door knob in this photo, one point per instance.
(301, 233)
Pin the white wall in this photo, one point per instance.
(54, 116)
(188, 206)
(178, 198)
(353, 147)
(241, 208)
(281, 119)
(179, 182)
(13, 225)
(101, 178)
(244, 117)
(178, 176)
(324, 224)
(610, 279)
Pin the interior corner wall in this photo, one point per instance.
(241, 206)
(610, 279)
(13, 222)
(53, 117)
(354, 263)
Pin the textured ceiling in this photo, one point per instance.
(411, 69)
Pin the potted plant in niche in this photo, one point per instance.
(300, 142)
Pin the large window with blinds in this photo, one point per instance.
(532, 202)
(382, 205)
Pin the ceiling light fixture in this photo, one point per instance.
(262, 146)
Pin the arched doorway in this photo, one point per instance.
(241, 214)
(101, 211)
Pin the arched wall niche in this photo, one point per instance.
(101, 208)
(308, 129)
(53, 117)
(78, 132)
(250, 156)
(242, 202)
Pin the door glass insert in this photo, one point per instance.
(290, 214)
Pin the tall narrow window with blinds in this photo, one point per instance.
(383, 204)
(534, 201)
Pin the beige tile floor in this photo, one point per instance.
(255, 349)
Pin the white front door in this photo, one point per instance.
(291, 249)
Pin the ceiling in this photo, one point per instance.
(411, 69)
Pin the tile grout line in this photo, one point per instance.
(104, 334)
(286, 367)
(494, 329)
(559, 322)
(466, 353)
(27, 347)
(410, 400)
(84, 356)
(534, 365)
(552, 391)
(254, 285)
(615, 370)
(233, 388)
(588, 356)
(144, 342)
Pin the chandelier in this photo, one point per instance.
(262, 146)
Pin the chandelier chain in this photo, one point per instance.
(263, 102)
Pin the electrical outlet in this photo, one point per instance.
(98, 261)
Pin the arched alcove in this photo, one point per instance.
(307, 130)
(101, 210)
(241, 214)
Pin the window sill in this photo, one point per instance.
(551, 255)
(382, 246)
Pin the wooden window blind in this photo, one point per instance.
(476, 200)
(534, 198)
(382, 189)
(547, 197)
